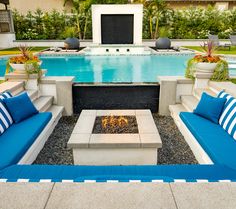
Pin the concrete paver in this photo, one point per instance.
(24, 195)
(111, 196)
(204, 195)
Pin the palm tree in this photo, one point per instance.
(148, 11)
(86, 8)
(79, 7)
(159, 7)
(153, 9)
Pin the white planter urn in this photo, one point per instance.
(205, 67)
(20, 68)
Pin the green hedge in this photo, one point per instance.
(191, 23)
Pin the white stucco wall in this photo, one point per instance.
(23, 6)
(6, 40)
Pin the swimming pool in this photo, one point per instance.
(119, 69)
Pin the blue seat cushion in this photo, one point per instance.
(216, 142)
(17, 139)
(167, 173)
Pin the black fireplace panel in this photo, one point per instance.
(115, 97)
(117, 29)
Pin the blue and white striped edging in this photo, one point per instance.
(228, 116)
(117, 181)
(5, 117)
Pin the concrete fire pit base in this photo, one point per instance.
(115, 149)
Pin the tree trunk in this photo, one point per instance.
(78, 26)
(156, 28)
(150, 27)
(85, 26)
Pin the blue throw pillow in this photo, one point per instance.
(20, 107)
(210, 107)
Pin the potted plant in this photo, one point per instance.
(209, 63)
(24, 62)
(163, 42)
(71, 41)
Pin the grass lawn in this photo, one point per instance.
(233, 80)
(220, 51)
(15, 50)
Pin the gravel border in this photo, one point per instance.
(174, 149)
(55, 151)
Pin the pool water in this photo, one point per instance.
(112, 68)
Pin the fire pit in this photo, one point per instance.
(115, 137)
(115, 125)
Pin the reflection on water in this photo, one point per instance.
(113, 68)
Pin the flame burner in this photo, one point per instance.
(115, 124)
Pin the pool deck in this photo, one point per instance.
(119, 195)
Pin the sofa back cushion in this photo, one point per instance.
(228, 116)
(5, 117)
(210, 107)
(5, 95)
(20, 107)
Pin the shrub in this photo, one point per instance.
(190, 23)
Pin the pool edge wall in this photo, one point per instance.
(115, 96)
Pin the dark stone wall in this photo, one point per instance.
(115, 97)
(117, 29)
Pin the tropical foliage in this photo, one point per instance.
(24, 57)
(208, 56)
(190, 23)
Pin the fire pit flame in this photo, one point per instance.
(114, 121)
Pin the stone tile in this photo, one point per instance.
(85, 124)
(146, 124)
(151, 140)
(143, 112)
(111, 195)
(89, 112)
(204, 195)
(79, 140)
(115, 112)
(24, 195)
(114, 141)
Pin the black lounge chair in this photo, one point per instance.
(216, 42)
(233, 40)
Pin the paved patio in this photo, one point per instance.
(117, 195)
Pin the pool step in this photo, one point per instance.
(189, 102)
(43, 103)
(198, 92)
(14, 87)
(227, 86)
(33, 94)
(56, 111)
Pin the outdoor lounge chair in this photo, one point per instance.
(216, 42)
(233, 40)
